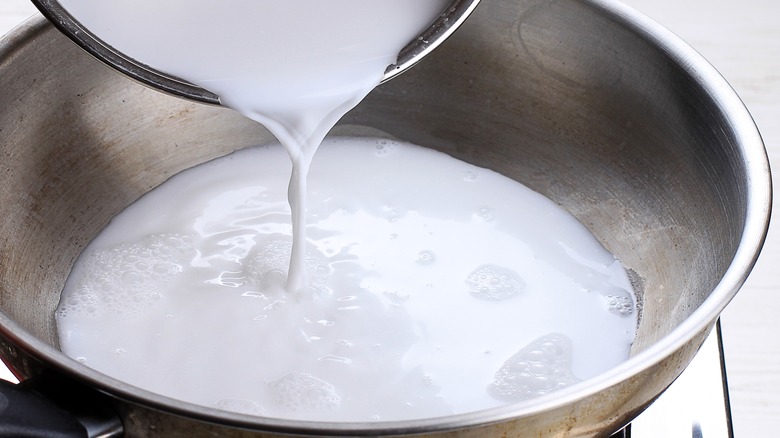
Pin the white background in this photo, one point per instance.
(742, 40)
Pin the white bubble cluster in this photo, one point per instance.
(620, 305)
(298, 392)
(270, 261)
(385, 147)
(541, 367)
(273, 255)
(126, 278)
(494, 283)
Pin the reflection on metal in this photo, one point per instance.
(439, 30)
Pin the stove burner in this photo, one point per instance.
(696, 405)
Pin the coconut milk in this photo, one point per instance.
(432, 289)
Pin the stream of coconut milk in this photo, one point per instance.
(385, 281)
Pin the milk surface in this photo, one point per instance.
(435, 287)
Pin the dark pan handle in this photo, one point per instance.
(53, 406)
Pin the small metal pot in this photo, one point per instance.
(587, 102)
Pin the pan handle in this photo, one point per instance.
(52, 405)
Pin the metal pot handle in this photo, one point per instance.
(51, 405)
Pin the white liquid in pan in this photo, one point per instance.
(435, 287)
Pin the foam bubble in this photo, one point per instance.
(485, 213)
(140, 271)
(273, 255)
(268, 263)
(492, 282)
(240, 406)
(541, 367)
(385, 147)
(620, 305)
(425, 258)
(303, 392)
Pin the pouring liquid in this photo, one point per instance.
(295, 66)
(415, 305)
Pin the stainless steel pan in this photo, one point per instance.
(587, 102)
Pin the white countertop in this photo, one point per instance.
(742, 40)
